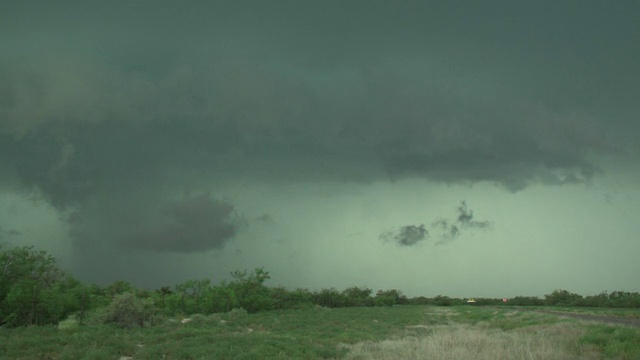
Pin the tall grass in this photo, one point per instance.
(463, 341)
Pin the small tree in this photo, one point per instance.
(250, 290)
(331, 298)
(27, 278)
(390, 297)
(221, 298)
(119, 287)
(442, 301)
(356, 296)
(192, 293)
(164, 291)
(526, 301)
(127, 311)
(562, 298)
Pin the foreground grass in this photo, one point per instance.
(410, 332)
(462, 341)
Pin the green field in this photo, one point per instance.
(410, 332)
(624, 313)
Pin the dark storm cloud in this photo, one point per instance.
(186, 223)
(114, 108)
(192, 224)
(407, 235)
(312, 93)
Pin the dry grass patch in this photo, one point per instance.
(459, 342)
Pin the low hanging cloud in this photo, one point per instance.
(406, 235)
(192, 224)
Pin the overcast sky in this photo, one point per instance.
(460, 148)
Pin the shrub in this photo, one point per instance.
(69, 323)
(237, 312)
(250, 291)
(128, 311)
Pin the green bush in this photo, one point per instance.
(330, 298)
(237, 312)
(128, 311)
(356, 296)
(70, 323)
(250, 291)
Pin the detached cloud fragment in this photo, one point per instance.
(407, 235)
(450, 230)
(465, 217)
(446, 230)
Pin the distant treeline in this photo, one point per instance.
(616, 299)
(35, 291)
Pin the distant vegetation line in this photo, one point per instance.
(34, 290)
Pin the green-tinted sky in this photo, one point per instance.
(461, 148)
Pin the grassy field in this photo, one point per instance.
(626, 313)
(400, 332)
